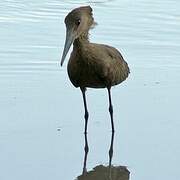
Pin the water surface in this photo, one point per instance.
(41, 134)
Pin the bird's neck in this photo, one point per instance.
(81, 41)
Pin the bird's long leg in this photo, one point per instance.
(110, 108)
(86, 115)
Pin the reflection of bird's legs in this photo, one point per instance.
(111, 155)
(86, 115)
(86, 150)
(111, 149)
(111, 108)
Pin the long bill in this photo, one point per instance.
(69, 40)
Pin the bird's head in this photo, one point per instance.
(78, 21)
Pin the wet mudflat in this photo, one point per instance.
(41, 134)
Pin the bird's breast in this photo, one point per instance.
(82, 74)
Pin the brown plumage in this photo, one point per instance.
(91, 65)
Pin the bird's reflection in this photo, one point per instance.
(102, 172)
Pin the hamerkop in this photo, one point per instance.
(91, 65)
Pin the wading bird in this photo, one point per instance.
(91, 65)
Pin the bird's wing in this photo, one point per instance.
(108, 63)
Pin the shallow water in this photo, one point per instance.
(41, 134)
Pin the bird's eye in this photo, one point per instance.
(78, 22)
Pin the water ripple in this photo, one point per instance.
(32, 33)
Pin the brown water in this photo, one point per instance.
(41, 134)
